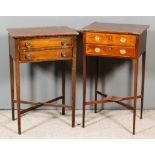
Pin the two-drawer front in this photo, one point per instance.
(42, 49)
(112, 45)
(110, 39)
(113, 51)
(39, 55)
(45, 42)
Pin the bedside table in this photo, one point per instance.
(124, 41)
(28, 45)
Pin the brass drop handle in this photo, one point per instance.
(28, 56)
(97, 50)
(63, 54)
(27, 44)
(97, 38)
(110, 48)
(63, 42)
(110, 37)
(122, 51)
(122, 40)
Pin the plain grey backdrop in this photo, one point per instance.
(42, 81)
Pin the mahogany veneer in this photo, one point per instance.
(39, 45)
(119, 41)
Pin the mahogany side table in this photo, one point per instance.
(28, 45)
(126, 41)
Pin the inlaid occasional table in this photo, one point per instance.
(126, 41)
(28, 45)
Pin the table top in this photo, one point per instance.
(41, 31)
(116, 28)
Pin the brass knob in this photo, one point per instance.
(123, 51)
(122, 40)
(110, 37)
(28, 56)
(63, 42)
(97, 50)
(63, 54)
(97, 38)
(28, 45)
(110, 48)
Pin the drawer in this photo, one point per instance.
(111, 51)
(111, 39)
(43, 55)
(45, 43)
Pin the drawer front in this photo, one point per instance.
(44, 43)
(111, 39)
(111, 51)
(43, 55)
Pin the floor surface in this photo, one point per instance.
(104, 124)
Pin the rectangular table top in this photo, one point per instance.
(41, 31)
(116, 28)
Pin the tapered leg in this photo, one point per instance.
(96, 82)
(84, 88)
(12, 87)
(63, 86)
(73, 83)
(17, 66)
(135, 92)
(142, 85)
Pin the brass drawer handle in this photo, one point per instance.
(97, 50)
(27, 45)
(63, 54)
(122, 51)
(110, 48)
(28, 56)
(122, 40)
(110, 37)
(97, 38)
(63, 43)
